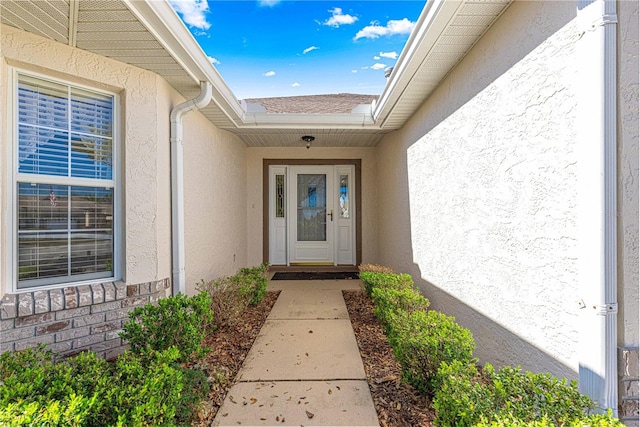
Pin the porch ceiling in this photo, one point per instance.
(149, 35)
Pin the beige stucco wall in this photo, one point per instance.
(488, 224)
(628, 155)
(214, 178)
(254, 206)
(215, 201)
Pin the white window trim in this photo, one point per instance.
(11, 220)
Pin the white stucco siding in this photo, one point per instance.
(255, 157)
(145, 101)
(628, 118)
(215, 189)
(491, 204)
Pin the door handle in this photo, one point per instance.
(331, 214)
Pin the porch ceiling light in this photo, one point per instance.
(308, 139)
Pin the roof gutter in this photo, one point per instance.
(177, 182)
(597, 174)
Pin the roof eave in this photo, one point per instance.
(301, 121)
(431, 23)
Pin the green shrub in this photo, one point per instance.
(255, 280)
(388, 302)
(71, 413)
(599, 420)
(507, 396)
(87, 390)
(385, 280)
(421, 341)
(179, 321)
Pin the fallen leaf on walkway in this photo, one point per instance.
(309, 414)
(329, 392)
(253, 400)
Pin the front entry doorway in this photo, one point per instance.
(312, 215)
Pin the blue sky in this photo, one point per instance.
(284, 48)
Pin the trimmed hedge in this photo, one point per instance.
(467, 396)
(421, 341)
(373, 280)
(389, 302)
(436, 356)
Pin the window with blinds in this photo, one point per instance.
(65, 183)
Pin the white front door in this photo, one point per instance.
(311, 215)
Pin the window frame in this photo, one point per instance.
(13, 180)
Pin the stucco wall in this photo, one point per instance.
(255, 157)
(628, 117)
(215, 188)
(488, 224)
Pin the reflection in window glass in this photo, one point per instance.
(344, 196)
(64, 233)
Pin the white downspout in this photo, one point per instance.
(597, 145)
(177, 182)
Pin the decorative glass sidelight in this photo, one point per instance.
(280, 196)
(344, 196)
(312, 207)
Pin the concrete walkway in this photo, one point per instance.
(304, 368)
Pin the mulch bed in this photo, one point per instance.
(230, 346)
(397, 403)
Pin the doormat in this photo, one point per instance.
(315, 275)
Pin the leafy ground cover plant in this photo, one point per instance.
(389, 302)
(373, 280)
(421, 341)
(179, 321)
(510, 397)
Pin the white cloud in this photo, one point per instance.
(193, 12)
(269, 73)
(378, 66)
(213, 60)
(376, 58)
(296, 84)
(392, 55)
(393, 27)
(364, 68)
(309, 49)
(268, 3)
(338, 18)
(354, 71)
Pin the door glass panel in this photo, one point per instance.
(344, 196)
(312, 207)
(279, 196)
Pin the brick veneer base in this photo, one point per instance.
(76, 318)
(628, 389)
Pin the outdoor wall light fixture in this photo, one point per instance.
(308, 139)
